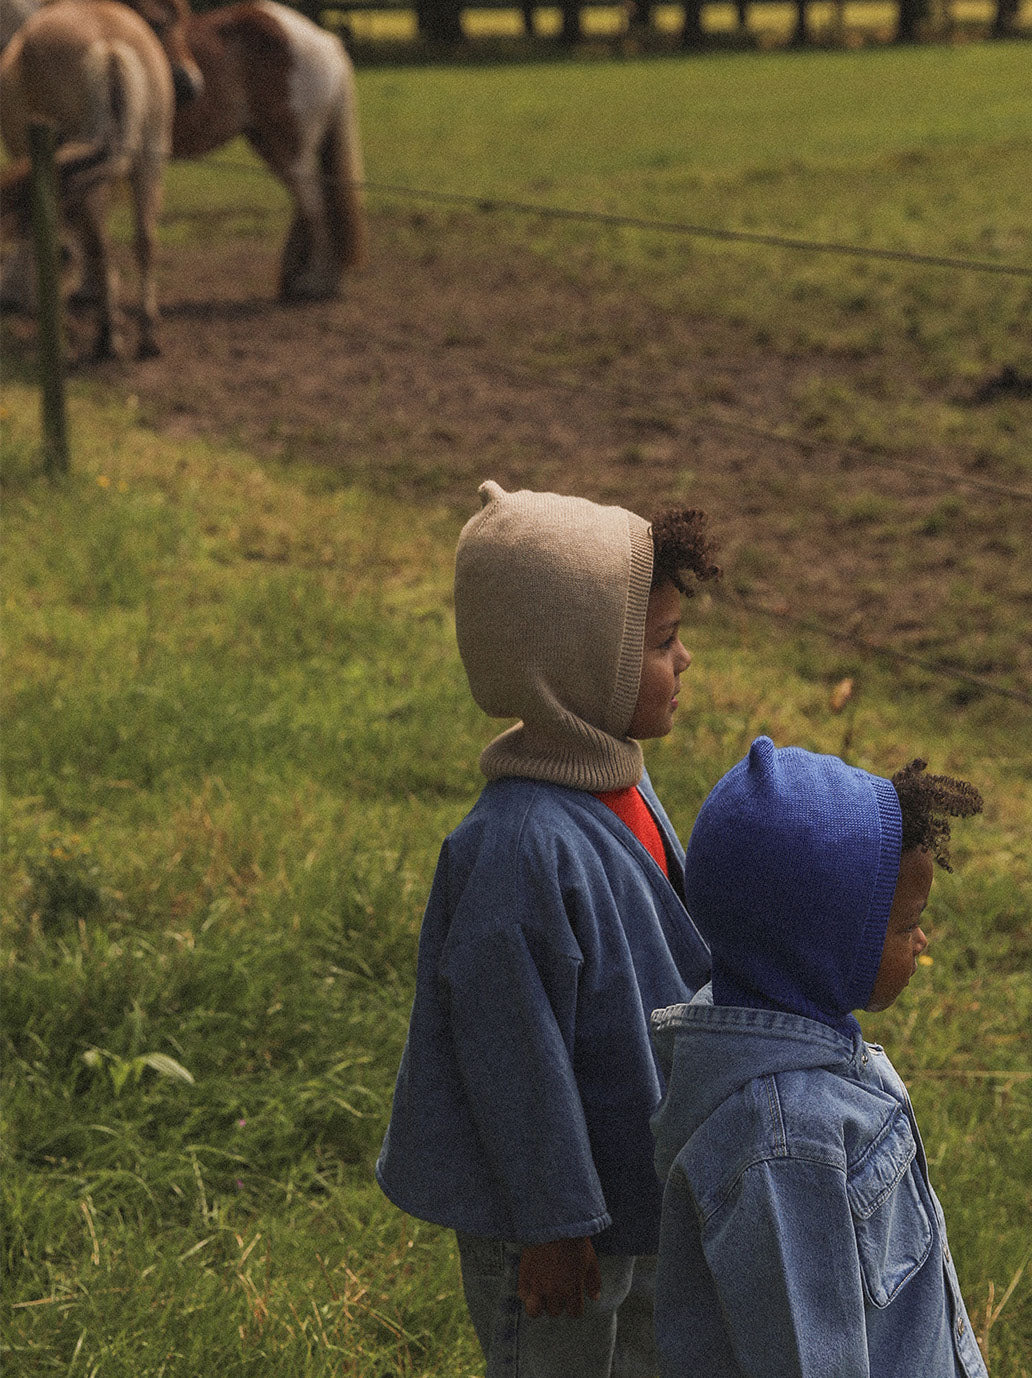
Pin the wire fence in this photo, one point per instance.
(735, 600)
(488, 205)
(851, 452)
(936, 669)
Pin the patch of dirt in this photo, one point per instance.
(435, 370)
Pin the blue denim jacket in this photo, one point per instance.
(522, 1105)
(801, 1237)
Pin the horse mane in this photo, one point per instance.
(259, 34)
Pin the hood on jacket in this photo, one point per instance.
(790, 873)
(708, 1052)
(551, 594)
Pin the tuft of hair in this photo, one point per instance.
(927, 803)
(683, 549)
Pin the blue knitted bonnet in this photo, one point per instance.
(790, 873)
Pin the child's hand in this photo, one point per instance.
(554, 1277)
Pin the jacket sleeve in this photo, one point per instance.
(782, 1255)
(510, 990)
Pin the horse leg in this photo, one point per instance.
(86, 286)
(18, 280)
(305, 264)
(307, 270)
(343, 176)
(296, 253)
(147, 188)
(87, 219)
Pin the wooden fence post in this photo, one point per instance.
(51, 360)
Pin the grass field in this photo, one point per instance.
(857, 148)
(227, 772)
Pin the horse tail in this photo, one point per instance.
(15, 197)
(81, 167)
(78, 168)
(84, 164)
(340, 160)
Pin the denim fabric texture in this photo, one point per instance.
(613, 1339)
(801, 1236)
(522, 1105)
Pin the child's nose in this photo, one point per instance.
(684, 658)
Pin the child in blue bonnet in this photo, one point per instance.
(555, 925)
(801, 1237)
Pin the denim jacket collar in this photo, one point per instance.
(717, 1049)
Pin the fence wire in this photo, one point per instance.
(857, 454)
(489, 205)
(876, 648)
(494, 204)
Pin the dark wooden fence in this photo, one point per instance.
(440, 21)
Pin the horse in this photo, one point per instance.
(288, 86)
(13, 14)
(96, 72)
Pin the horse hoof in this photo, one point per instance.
(309, 287)
(83, 300)
(148, 349)
(107, 349)
(16, 298)
(297, 295)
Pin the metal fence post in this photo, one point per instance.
(51, 358)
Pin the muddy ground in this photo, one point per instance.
(435, 370)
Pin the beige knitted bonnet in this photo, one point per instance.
(550, 600)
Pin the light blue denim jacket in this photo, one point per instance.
(801, 1237)
(522, 1105)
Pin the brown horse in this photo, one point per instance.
(97, 73)
(13, 14)
(289, 88)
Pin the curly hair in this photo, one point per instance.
(682, 547)
(927, 803)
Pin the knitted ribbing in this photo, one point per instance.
(550, 600)
(790, 874)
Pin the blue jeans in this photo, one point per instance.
(612, 1339)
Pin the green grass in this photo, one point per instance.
(723, 115)
(842, 147)
(221, 812)
(918, 149)
(237, 729)
(227, 777)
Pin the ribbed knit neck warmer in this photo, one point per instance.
(550, 600)
(790, 873)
